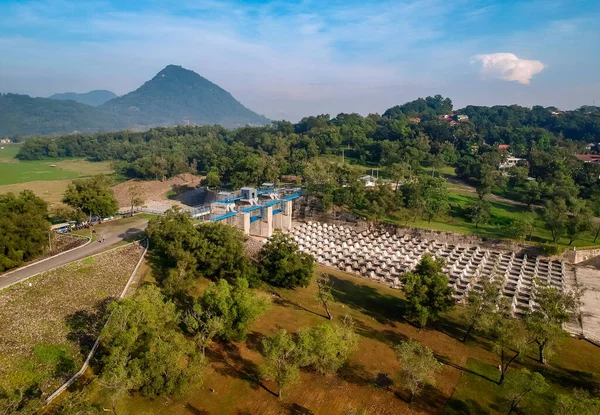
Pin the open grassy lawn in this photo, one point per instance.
(46, 178)
(13, 171)
(49, 322)
(368, 379)
(501, 214)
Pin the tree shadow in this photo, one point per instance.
(85, 326)
(447, 362)
(193, 410)
(234, 365)
(368, 300)
(569, 379)
(430, 400)
(284, 302)
(296, 409)
(450, 328)
(254, 341)
(468, 407)
(132, 234)
(386, 336)
(356, 374)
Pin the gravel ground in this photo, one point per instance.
(39, 310)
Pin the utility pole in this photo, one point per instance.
(50, 239)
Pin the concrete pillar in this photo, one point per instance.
(286, 215)
(277, 220)
(266, 222)
(244, 222)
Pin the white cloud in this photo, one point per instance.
(508, 67)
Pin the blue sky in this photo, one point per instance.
(287, 59)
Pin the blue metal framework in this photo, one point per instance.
(225, 216)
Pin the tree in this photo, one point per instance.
(489, 177)
(556, 216)
(481, 305)
(24, 230)
(519, 229)
(282, 264)
(427, 291)
(236, 305)
(544, 324)
(399, 173)
(418, 366)
(532, 192)
(324, 296)
(77, 403)
(518, 175)
(521, 387)
(204, 326)
(20, 391)
(435, 196)
(92, 196)
(213, 179)
(507, 336)
(213, 250)
(280, 361)
(580, 402)
(134, 191)
(327, 347)
(580, 219)
(479, 211)
(143, 348)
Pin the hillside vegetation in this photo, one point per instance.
(24, 115)
(177, 96)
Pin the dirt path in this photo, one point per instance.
(465, 187)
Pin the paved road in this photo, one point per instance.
(113, 232)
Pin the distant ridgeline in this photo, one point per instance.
(93, 98)
(175, 96)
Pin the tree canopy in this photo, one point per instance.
(92, 196)
(23, 228)
(282, 264)
(426, 289)
(143, 348)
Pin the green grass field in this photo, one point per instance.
(13, 171)
(500, 216)
(466, 384)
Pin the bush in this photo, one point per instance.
(283, 265)
(551, 249)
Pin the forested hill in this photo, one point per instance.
(93, 98)
(24, 115)
(177, 96)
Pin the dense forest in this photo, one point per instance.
(410, 143)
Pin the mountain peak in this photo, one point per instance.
(176, 96)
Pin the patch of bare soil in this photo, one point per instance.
(180, 190)
(61, 308)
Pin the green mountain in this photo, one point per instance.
(93, 98)
(177, 96)
(24, 115)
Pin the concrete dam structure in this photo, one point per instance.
(256, 211)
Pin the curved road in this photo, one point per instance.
(113, 233)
